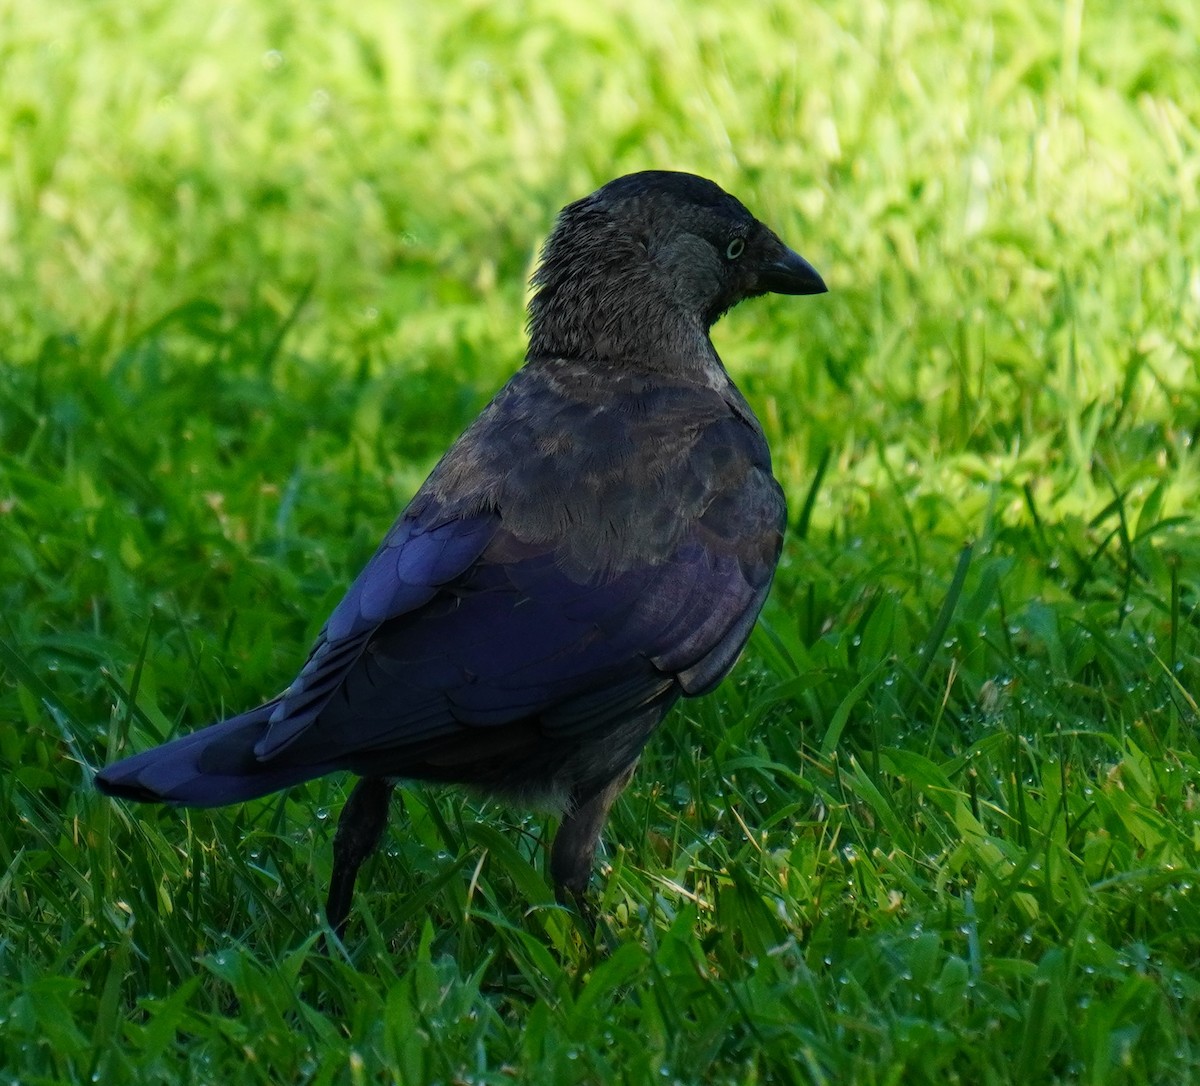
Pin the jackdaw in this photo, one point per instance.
(597, 544)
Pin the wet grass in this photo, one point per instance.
(942, 824)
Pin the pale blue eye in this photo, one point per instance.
(735, 249)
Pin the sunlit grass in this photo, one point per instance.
(258, 267)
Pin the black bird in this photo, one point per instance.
(596, 545)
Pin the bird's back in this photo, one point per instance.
(632, 526)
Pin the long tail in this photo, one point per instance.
(209, 768)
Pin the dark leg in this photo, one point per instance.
(359, 829)
(574, 847)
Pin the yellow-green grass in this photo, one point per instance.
(260, 264)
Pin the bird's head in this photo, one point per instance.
(656, 241)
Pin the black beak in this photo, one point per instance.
(790, 273)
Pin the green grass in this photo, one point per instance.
(258, 266)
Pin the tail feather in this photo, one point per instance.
(208, 768)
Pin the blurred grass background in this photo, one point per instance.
(258, 267)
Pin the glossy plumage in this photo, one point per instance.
(596, 545)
